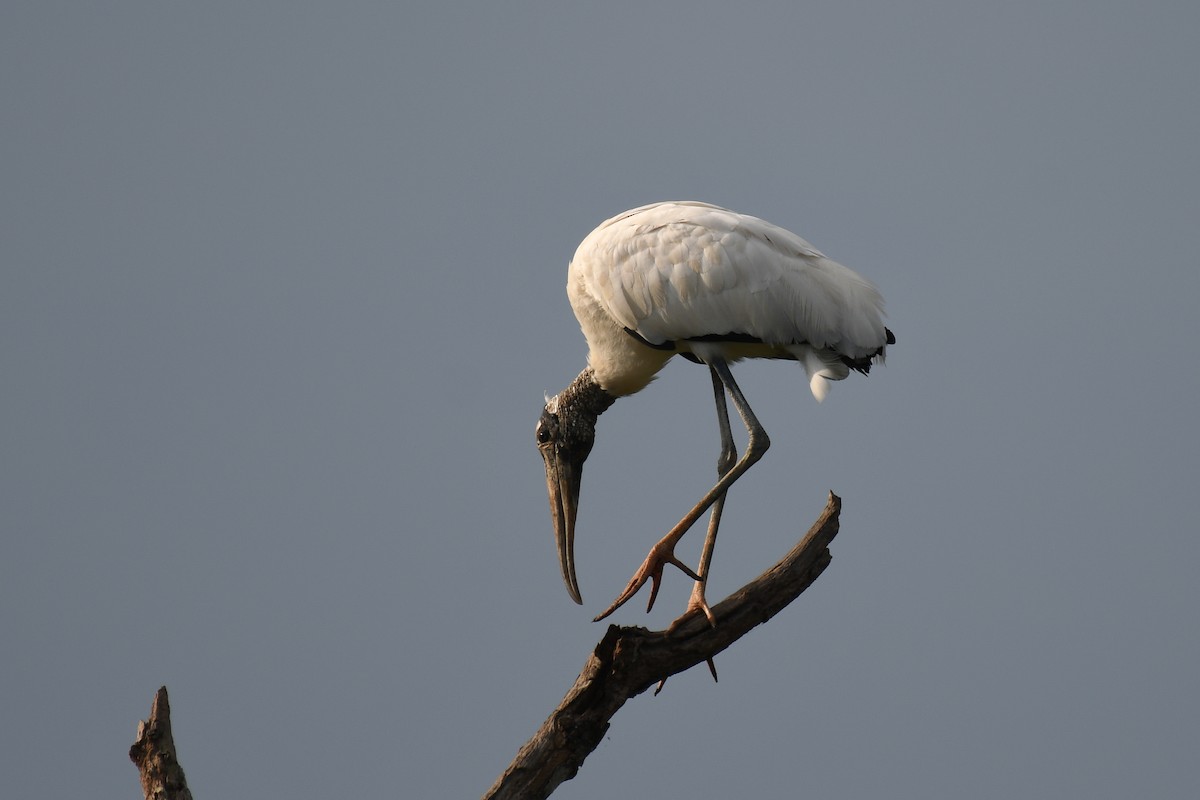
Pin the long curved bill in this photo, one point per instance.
(563, 479)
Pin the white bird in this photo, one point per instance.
(714, 286)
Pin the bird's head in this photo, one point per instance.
(565, 434)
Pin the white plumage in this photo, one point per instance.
(673, 272)
(715, 286)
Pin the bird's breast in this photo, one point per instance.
(622, 364)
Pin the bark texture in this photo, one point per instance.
(154, 754)
(629, 660)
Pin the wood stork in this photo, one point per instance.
(714, 286)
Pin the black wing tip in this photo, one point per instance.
(863, 363)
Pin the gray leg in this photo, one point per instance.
(663, 552)
(725, 461)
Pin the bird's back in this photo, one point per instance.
(674, 271)
(686, 272)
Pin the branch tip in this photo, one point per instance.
(629, 660)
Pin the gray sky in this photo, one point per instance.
(282, 290)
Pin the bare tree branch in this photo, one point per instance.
(154, 754)
(629, 660)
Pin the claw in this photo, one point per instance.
(651, 570)
(712, 668)
(697, 604)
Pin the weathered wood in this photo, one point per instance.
(154, 754)
(629, 660)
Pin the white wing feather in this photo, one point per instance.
(712, 285)
(673, 271)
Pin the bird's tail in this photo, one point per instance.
(821, 366)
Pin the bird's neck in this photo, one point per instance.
(585, 395)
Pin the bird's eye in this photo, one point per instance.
(543, 434)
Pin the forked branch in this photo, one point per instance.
(629, 660)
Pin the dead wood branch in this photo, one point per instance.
(154, 754)
(629, 660)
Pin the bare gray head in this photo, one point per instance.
(565, 434)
